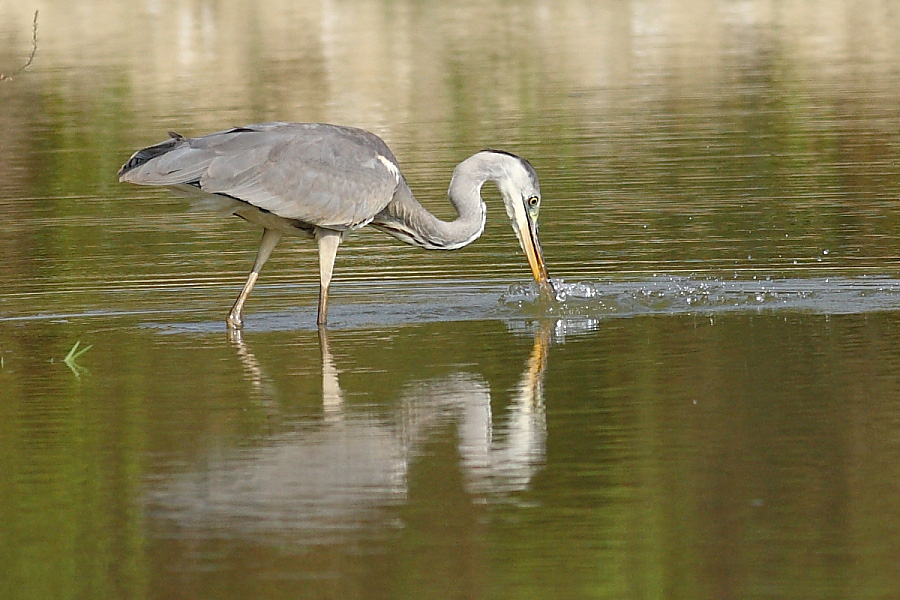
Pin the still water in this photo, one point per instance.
(711, 410)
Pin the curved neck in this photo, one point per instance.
(407, 220)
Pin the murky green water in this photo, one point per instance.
(712, 412)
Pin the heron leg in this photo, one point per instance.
(328, 241)
(266, 245)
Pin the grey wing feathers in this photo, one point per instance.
(325, 175)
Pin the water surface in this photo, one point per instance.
(709, 411)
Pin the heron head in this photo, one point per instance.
(518, 185)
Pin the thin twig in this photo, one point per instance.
(33, 50)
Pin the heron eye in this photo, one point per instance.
(533, 201)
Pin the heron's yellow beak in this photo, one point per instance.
(531, 245)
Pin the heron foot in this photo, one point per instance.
(235, 336)
(234, 321)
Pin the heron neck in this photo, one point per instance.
(407, 220)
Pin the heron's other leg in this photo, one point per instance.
(269, 240)
(328, 241)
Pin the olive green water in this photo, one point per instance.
(711, 411)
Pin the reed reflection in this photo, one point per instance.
(343, 472)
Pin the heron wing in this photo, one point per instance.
(326, 175)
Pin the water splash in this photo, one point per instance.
(530, 292)
(676, 295)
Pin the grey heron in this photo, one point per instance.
(319, 181)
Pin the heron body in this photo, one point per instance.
(319, 181)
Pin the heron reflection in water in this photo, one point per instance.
(319, 181)
(340, 472)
